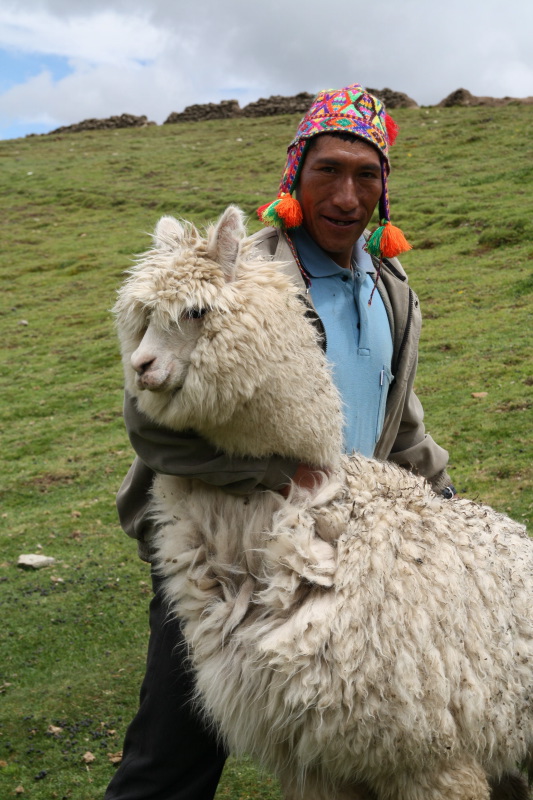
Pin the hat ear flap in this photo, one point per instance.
(285, 211)
(387, 241)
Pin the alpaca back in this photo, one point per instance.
(357, 621)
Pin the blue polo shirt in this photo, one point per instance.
(358, 337)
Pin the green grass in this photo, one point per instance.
(73, 637)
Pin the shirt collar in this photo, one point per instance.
(361, 259)
(319, 265)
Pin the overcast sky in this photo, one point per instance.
(62, 61)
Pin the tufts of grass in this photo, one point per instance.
(74, 211)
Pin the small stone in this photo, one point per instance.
(479, 395)
(34, 561)
(54, 730)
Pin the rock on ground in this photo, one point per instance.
(34, 561)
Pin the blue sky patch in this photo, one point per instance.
(17, 130)
(17, 67)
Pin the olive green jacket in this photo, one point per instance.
(403, 439)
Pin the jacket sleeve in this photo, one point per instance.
(188, 455)
(415, 449)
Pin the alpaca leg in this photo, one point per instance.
(509, 787)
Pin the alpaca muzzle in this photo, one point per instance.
(156, 380)
(151, 374)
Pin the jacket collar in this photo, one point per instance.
(319, 265)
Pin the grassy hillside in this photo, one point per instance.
(74, 208)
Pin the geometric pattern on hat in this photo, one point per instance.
(349, 110)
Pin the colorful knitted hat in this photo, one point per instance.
(350, 110)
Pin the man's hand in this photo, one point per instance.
(305, 477)
(449, 492)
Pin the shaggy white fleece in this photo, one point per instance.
(367, 632)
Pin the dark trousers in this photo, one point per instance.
(168, 753)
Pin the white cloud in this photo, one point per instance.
(93, 91)
(106, 37)
(514, 74)
(154, 58)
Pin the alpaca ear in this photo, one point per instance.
(225, 240)
(168, 232)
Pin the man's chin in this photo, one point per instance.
(337, 240)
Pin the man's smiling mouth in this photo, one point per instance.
(342, 223)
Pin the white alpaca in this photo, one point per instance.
(367, 633)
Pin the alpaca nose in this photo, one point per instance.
(141, 363)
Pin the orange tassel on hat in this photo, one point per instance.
(290, 211)
(387, 241)
(284, 212)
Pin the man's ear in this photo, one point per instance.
(225, 238)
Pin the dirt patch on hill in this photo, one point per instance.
(109, 123)
(462, 97)
(274, 106)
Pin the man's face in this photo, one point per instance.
(338, 189)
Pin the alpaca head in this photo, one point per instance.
(213, 338)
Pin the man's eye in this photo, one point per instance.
(195, 313)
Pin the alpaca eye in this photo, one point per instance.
(195, 313)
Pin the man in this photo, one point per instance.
(337, 170)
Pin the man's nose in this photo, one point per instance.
(345, 195)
